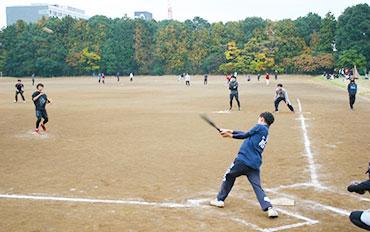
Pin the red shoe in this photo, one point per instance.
(37, 131)
(43, 126)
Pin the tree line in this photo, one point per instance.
(310, 44)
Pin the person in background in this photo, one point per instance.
(276, 75)
(117, 76)
(282, 95)
(267, 77)
(99, 78)
(233, 87)
(33, 79)
(187, 79)
(258, 76)
(352, 91)
(205, 79)
(19, 89)
(361, 218)
(103, 78)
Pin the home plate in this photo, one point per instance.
(283, 202)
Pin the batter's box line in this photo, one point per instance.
(191, 203)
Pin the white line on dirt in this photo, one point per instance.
(314, 204)
(307, 144)
(287, 227)
(100, 201)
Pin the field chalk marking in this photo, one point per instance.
(191, 203)
(307, 145)
(100, 201)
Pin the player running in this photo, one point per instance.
(40, 100)
(352, 91)
(233, 87)
(282, 95)
(248, 162)
(19, 89)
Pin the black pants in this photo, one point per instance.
(41, 114)
(16, 95)
(236, 95)
(187, 83)
(205, 81)
(352, 99)
(355, 218)
(278, 100)
(240, 169)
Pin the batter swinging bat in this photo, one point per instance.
(209, 121)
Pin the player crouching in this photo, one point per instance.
(40, 100)
(282, 95)
(248, 162)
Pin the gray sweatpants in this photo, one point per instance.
(240, 169)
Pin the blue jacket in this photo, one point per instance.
(352, 88)
(251, 150)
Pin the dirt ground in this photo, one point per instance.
(144, 142)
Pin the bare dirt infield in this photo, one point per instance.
(144, 142)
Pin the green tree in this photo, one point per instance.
(308, 25)
(353, 30)
(350, 58)
(327, 34)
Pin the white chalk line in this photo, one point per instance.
(99, 201)
(314, 204)
(190, 203)
(307, 145)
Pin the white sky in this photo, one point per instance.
(212, 10)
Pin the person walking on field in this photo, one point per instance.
(117, 76)
(267, 77)
(205, 82)
(99, 78)
(276, 75)
(234, 93)
(103, 78)
(187, 79)
(131, 77)
(40, 100)
(19, 89)
(282, 95)
(352, 91)
(248, 163)
(33, 79)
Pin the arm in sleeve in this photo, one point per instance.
(244, 135)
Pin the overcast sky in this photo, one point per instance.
(212, 10)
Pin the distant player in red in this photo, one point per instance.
(267, 77)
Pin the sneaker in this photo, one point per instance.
(272, 213)
(15, 101)
(43, 126)
(37, 131)
(24, 102)
(217, 203)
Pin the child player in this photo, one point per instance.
(19, 89)
(282, 95)
(40, 100)
(248, 162)
(352, 91)
(233, 87)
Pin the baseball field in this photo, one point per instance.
(137, 157)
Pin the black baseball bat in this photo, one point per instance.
(209, 121)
